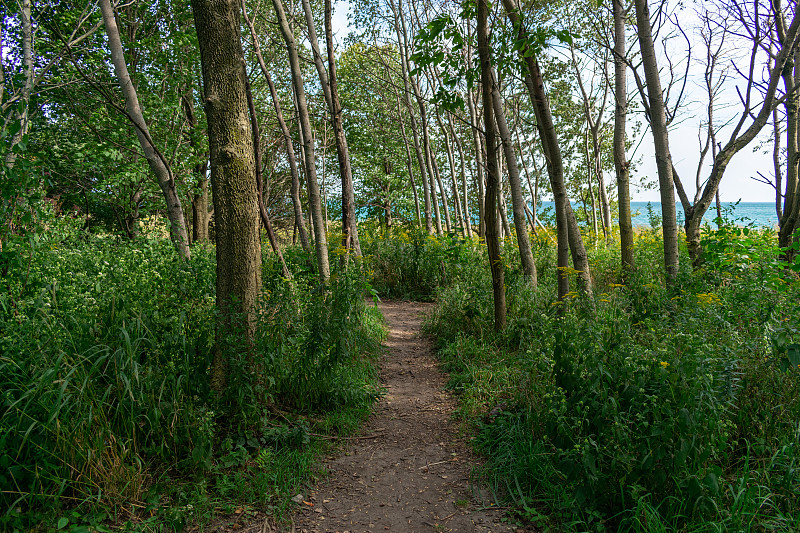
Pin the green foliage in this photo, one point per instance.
(643, 409)
(409, 263)
(106, 413)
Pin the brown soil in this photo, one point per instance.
(409, 471)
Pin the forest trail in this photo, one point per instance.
(409, 471)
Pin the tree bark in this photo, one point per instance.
(789, 218)
(493, 178)
(569, 237)
(515, 183)
(452, 163)
(465, 195)
(158, 164)
(330, 91)
(479, 165)
(442, 191)
(621, 164)
(262, 210)
(402, 37)
(426, 144)
(321, 242)
(287, 137)
(409, 161)
(199, 197)
(658, 125)
(232, 173)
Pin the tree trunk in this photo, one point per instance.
(569, 236)
(452, 163)
(426, 143)
(621, 164)
(290, 154)
(402, 37)
(514, 181)
(349, 224)
(790, 219)
(321, 242)
(442, 191)
(493, 178)
(158, 164)
(776, 164)
(262, 210)
(409, 160)
(232, 173)
(465, 195)
(479, 165)
(23, 115)
(200, 215)
(658, 124)
(199, 197)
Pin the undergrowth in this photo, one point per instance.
(107, 420)
(642, 408)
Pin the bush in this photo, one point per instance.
(105, 350)
(643, 408)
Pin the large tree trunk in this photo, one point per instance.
(314, 199)
(515, 183)
(658, 124)
(493, 178)
(290, 154)
(232, 172)
(621, 164)
(158, 164)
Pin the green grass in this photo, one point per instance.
(641, 409)
(107, 419)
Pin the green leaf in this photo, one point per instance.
(793, 354)
(62, 522)
(712, 483)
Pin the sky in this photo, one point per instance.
(737, 183)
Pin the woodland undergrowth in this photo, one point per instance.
(638, 409)
(107, 420)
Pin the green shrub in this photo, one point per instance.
(105, 404)
(644, 408)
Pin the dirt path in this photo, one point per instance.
(410, 472)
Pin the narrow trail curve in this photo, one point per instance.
(410, 470)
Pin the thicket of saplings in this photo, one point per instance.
(107, 420)
(641, 408)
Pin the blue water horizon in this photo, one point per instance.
(757, 214)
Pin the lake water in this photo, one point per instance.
(759, 214)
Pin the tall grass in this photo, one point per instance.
(644, 408)
(107, 414)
